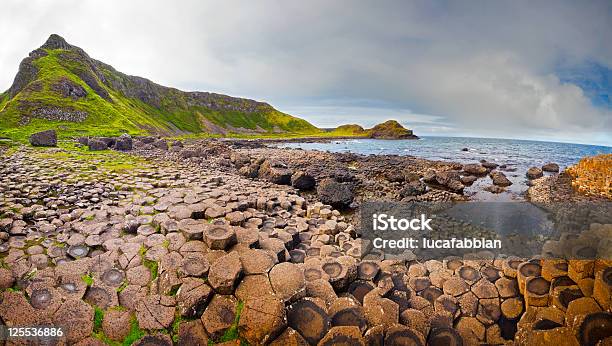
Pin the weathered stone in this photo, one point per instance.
(262, 320)
(288, 281)
(224, 273)
(219, 315)
(46, 138)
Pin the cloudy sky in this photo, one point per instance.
(535, 70)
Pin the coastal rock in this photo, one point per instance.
(338, 195)
(391, 129)
(551, 167)
(500, 179)
(302, 181)
(534, 173)
(414, 188)
(475, 169)
(275, 172)
(44, 139)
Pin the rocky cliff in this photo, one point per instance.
(59, 84)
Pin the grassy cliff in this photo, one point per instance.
(59, 86)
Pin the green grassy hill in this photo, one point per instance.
(59, 86)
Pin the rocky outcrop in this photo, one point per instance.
(551, 167)
(391, 129)
(500, 179)
(44, 139)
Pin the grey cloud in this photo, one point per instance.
(479, 68)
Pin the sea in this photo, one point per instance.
(517, 155)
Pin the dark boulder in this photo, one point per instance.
(83, 140)
(468, 180)
(96, 144)
(161, 144)
(44, 139)
(302, 181)
(338, 195)
(534, 173)
(124, 142)
(551, 167)
(109, 141)
(275, 172)
(489, 165)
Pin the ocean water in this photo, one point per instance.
(517, 155)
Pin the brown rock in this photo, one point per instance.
(262, 320)
(76, 319)
(402, 335)
(288, 281)
(116, 324)
(192, 297)
(289, 337)
(343, 335)
(254, 286)
(219, 237)
(224, 273)
(308, 319)
(155, 312)
(219, 315)
(192, 333)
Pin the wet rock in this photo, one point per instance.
(551, 167)
(475, 169)
(534, 173)
(275, 172)
(500, 179)
(414, 188)
(44, 139)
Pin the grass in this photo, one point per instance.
(153, 266)
(110, 112)
(135, 333)
(98, 318)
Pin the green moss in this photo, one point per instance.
(151, 265)
(134, 334)
(98, 318)
(87, 279)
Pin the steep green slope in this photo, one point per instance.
(60, 86)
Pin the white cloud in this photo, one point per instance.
(481, 69)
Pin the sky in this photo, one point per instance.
(469, 68)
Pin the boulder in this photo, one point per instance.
(96, 144)
(44, 139)
(124, 142)
(474, 169)
(551, 167)
(534, 173)
(302, 181)
(338, 195)
(161, 144)
(500, 179)
(275, 172)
